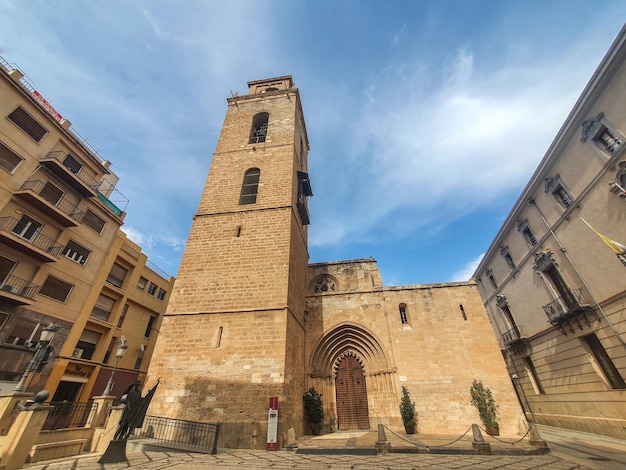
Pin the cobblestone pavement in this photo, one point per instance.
(257, 459)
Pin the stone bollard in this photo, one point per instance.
(480, 446)
(382, 444)
(535, 439)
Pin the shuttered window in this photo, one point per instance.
(104, 306)
(56, 289)
(8, 158)
(91, 220)
(28, 124)
(117, 275)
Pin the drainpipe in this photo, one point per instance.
(564, 251)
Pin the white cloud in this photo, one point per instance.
(465, 273)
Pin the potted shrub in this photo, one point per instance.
(407, 411)
(482, 399)
(313, 410)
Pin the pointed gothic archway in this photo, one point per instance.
(349, 365)
(351, 394)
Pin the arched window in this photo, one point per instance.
(259, 128)
(404, 318)
(250, 186)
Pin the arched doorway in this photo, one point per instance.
(352, 411)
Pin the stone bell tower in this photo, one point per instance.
(233, 334)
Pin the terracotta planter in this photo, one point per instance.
(409, 429)
(492, 431)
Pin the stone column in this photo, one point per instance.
(7, 406)
(22, 436)
(103, 402)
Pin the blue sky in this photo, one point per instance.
(425, 119)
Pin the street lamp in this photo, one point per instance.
(41, 356)
(121, 349)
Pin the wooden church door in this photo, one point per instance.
(352, 412)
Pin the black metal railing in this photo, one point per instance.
(512, 336)
(39, 240)
(66, 415)
(568, 303)
(62, 204)
(81, 174)
(179, 432)
(19, 286)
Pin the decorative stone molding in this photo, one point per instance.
(543, 259)
(591, 127)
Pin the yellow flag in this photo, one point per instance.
(617, 247)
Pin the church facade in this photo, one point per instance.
(249, 318)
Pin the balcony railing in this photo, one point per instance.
(62, 204)
(18, 286)
(565, 305)
(512, 336)
(39, 240)
(81, 174)
(66, 415)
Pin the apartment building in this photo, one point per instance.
(553, 279)
(64, 262)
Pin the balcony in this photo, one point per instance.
(18, 291)
(69, 169)
(37, 245)
(516, 341)
(38, 195)
(569, 311)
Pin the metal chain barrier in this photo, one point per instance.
(429, 447)
(505, 442)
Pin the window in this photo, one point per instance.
(25, 333)
(51, 193)
(107, 355)
(556, 187)
(463, 312)
(3, 319)
(72, 164)
(304, 191)
(28, 124)
(492, 280)
(56, 289)
(259, 128)
(76, 252)
(122, 316)
(27, 228)
(87, 344)
(403, 316)
(149, 326)
(531, 372)
(8, 158)
(92, 221)
(117, 275)
(526, 231)
(161, 294)
(250, 186)
(141, 284)
(152, 288)
(324, 284)
(140, 353)
(602, 361)
(507, 257)
(6, 267)
(102, 309)
(599, 132)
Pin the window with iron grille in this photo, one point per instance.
(28, 124)
(526, 231)
(492, 280)
(403, 315)
(504, 251)
(56, 289)
(602, 134)
(250, 186)
(9, 160)
(558, 190)
(76, 252)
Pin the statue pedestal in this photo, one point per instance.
(115, 453)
